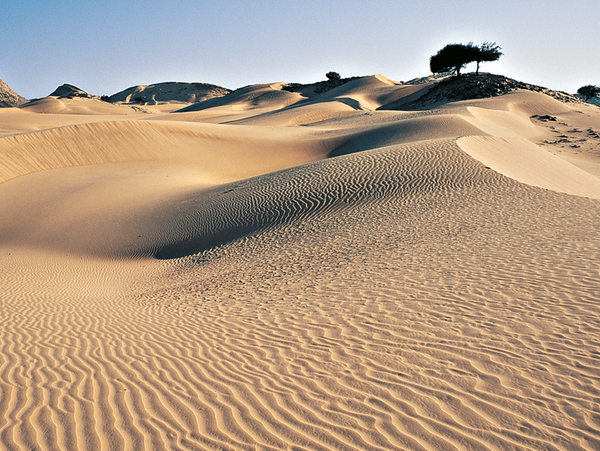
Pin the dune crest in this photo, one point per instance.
(525, 162)
(228, 152)
(511, 150)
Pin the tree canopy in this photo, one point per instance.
(453, 57)
(488, 51)
(588, 91)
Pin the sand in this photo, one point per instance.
(276, 271)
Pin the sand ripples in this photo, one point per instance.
(229, 212)
(403, 296)
(338, 324)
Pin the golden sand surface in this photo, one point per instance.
(283, 272)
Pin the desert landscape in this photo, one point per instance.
(359, 264)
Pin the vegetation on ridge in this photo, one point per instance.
(453, 57)
(333, 81)
(588, 91)
(473, 86)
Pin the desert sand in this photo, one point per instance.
(273, 269)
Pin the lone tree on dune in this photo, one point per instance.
(488, 51)
(451, 58)
(332, 75)
(454, 57)
(588, 91)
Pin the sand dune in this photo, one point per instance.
(250, 97)
(285, 270)
(169, 92)
(73, 106)
(67, 91)
(521, 160)
(227, 152)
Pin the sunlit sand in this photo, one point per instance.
(275, 269)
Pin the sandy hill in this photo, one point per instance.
(249, 97)
(67, 91)
(268, 269)
(169, 92)
(471, 86)
(70, 106)
(8, 97)
(276, 104)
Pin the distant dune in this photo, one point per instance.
(370, 265)
(67, 90)
(168, 92)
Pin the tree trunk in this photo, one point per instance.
(477, 71)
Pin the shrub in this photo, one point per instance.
(488, 51)
(588, 91)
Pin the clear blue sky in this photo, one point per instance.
(105, 46)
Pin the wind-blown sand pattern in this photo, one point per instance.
(373, 279)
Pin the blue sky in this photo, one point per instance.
(105, 46)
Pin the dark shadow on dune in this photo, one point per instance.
(406, 102)
(203, 243)
(350, 102)
(403, 131)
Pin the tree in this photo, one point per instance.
(332, 75)
(454, 57)
(451, 58)
(588, 91)
(488, 51)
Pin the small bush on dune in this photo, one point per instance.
(333, 81)
(588, 91)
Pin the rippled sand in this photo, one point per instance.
(227, 279)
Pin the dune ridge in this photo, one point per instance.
(169, 92)
(125, 141)
(376, 278)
